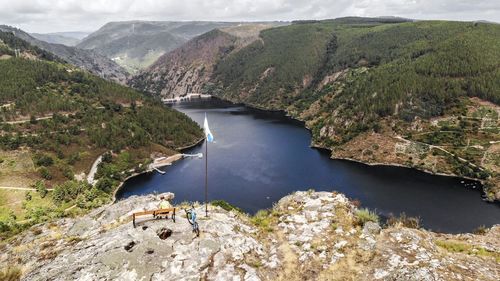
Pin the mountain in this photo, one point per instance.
(64, 38)
(305, 236)
(58, 121)
(188, 68)
(137, 44)
(420, 94)
(86, 59)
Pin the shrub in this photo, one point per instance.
(67, 191)
(481, 230)
(28, 196)
(364, 215)
(11, 274)
(262, 219)
(226, 206)
(107, 157)
(44, 173)
(44, 160)
(105, 184)
(404, 220)
(41, 189)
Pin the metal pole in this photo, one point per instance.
(206, 177)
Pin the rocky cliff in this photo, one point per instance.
(186, 69)
(189, 68)
(306, 236)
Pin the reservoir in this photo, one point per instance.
(258, 157)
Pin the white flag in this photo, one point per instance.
(208, 134)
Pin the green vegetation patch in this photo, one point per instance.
(226, 206)
(461, 247)
(364, 215)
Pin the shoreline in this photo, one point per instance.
(330, 151)
(319, 147)
(174, 158)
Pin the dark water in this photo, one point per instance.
(259, 157)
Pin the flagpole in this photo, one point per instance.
(206, 177)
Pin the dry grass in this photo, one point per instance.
(10, 274)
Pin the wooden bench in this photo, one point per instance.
(155, 213)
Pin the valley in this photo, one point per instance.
(390, 127)
(371, 90)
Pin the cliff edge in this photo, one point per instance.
(306, 236)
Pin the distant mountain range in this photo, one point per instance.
(65, 38)
(137, 44)
(86, 59)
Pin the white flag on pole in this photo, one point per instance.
(208, 134)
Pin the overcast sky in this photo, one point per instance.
(89, 15)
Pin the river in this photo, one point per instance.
(258, 157)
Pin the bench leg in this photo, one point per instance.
(133, 219)
(173, 216)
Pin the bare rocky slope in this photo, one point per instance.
(85, 59)
(306, 236)
(189, 68)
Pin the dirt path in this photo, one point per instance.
(93, 170)
(442, 149)
(22, 188)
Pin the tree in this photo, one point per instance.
(41, 189)
(105, 184)
(44, 173)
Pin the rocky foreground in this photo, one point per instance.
(306, 236)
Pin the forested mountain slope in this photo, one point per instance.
(422, 94)
(86, 59)
(57, 119)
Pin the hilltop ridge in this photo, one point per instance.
(306, 236)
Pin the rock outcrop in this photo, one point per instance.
(306, 236)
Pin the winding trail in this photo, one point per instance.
(93, 170)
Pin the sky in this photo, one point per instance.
(88, 15)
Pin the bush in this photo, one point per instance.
(107, 157)
(481, 230)
(105, 184)
(262, 219)
(404, 220)
(41, 189)
(68, 191)
(27, 196)
(44, 160)
(10, 274)
(44, 173)
(365, 215)
(226, 206)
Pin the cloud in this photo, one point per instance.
(64, 15)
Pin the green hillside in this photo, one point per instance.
(64, 118)
(353, 79)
